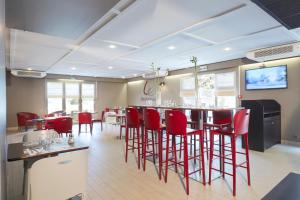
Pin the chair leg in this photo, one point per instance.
(180, 147)
(133, 138)
(174, 153)
(233, 148)
(79, 129)
(153, 146)
(222, 155)
(186, 166)
(159, 135)
(195, 148)
(126, 141)
(211, 156)
(201, 147)
(120, 132)
(167, 157)
(144, 149)
(91, 129)
(101, 126)
(139, 153)
(205, 131)
(247, 157)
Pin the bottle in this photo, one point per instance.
(71, 139)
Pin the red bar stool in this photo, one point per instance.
(176, 125)
(152, 123)
(85, 118)
(133, 123)
(221, 119)
(240, 128)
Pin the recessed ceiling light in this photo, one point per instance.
(123, 77)
(29, 69)
(110, 67)
(112, 46)
(73, 68)
(227, 49)
(171, 47)
(135, 75)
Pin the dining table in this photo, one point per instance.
(41, 121)
(31, 150)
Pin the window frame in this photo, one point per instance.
(64, 92)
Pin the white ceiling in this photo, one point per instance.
(143, 33)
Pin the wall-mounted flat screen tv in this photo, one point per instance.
(266, 78)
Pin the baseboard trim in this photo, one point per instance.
(288, 142)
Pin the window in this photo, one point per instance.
(54, 96)
(187, 91)
(207, 90)
(88, 97)
(226, 89)
(70, 96)
(215, 89)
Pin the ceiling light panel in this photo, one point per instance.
(146, 21)
(96, 52)
(246, 20)
(35, 50)
(160, 50)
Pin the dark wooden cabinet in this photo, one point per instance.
(265, 123)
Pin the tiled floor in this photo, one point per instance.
(110, 178)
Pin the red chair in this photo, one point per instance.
(49, 123)
(152, 123)
(85, 118)
(240, 128)
(63, 125)
(221, 119)
(101, 120)
(25, 119)
(176, 125)
(133, 124)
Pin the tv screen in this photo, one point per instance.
(266, 78)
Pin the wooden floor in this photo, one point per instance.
(110, 178)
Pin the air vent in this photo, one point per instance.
(29, 74)
(273, 53)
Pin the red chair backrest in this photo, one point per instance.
(176, 122)
(106, 109)
(84, 118)
(22, 117)
(222, 117)
(132, 117)
(63, 125)
(241, 121)
(151, 119)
